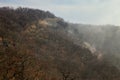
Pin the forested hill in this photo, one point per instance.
(37, 45)
(21, 16)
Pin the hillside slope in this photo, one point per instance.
(104, 38)
(36, 45)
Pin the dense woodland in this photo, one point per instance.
(37, 45)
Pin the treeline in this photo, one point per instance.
(23, 15)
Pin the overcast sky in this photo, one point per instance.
(77, 11)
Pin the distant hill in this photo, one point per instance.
(37, 45)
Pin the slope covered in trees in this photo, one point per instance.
(36, 45)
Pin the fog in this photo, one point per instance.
(104, 38)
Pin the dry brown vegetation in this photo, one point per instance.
(30, 51)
